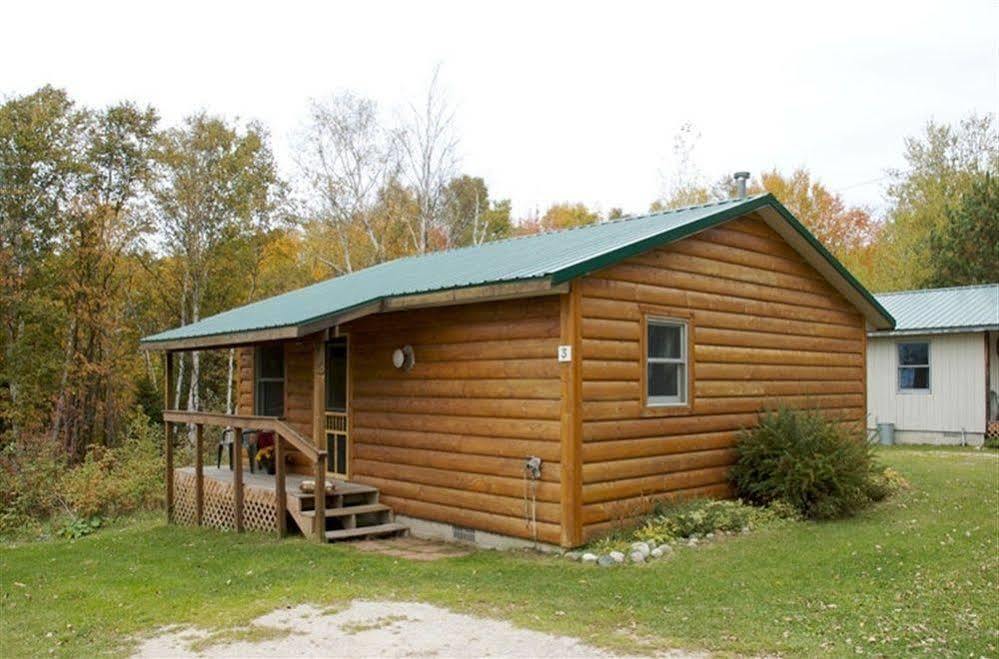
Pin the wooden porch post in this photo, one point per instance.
(319, 392)
(280, 494)
(237, 477)
(199, 474)
(167, 428)
(319, 521)
(319, 431)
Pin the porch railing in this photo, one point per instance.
(284, 436)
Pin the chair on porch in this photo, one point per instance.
(253, 441)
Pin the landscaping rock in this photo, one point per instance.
(616, 556)
(656, 553)
(692, 542)
(606, 561)
(637, 557)
(642, 547)
(709, 536)
(665, 549)
(589, 558)
(573, 555)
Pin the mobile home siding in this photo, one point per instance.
(956, 400)
(765, 327)
(446, 440)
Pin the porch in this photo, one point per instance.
(226, 497)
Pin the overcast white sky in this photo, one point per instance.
(555, 101)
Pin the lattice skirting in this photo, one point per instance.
(992, 431)
(259, 507)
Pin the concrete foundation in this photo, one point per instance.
(938, 438)
(424, 528)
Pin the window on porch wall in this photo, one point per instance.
(336, 375)
(269, 380)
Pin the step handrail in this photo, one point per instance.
(283, 432)
(273, 424)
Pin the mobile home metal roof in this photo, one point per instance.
(549, 259)
(939, 310)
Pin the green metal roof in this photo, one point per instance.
(556, 256)
(960, 309)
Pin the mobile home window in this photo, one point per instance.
(914, 366)
(666, 362)
(269, 385)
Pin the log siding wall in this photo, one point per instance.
(765, 326)
(447, 440)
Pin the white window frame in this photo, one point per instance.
(681, 399)
(899, 366)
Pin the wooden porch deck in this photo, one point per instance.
(268, 483)
(352, 510)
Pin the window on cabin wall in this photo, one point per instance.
(914, 366)
(269, 381)
(336, 375)
(666, 362)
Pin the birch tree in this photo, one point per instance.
(471, 217)
(218, 183)
(345, 158)
(429, 158)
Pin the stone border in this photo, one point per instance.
(641, 552)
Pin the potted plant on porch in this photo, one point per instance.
(265, 459)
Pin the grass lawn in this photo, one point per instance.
(916, 574)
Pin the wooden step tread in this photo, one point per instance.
(361, 531)
(342, 489)
(349, 510)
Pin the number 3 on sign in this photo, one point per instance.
(565, 353)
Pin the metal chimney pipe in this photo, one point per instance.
(740, 184)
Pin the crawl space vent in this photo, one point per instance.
(463, 534)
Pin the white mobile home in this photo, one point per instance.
(935, 376)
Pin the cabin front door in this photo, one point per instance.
(337, 432)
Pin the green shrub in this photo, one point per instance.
(815, 465)
(30, 471)
(120, 480)
(37, 483)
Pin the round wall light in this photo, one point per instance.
(404, 357)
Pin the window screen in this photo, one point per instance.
(914, 366)
(666, 362)
(336, 375)
(269, 385)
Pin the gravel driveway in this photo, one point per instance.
(368, 629)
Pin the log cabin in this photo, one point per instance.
(538, 390)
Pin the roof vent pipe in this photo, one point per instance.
(740, 184)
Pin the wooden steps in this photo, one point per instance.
(352, 512)
(391, 528)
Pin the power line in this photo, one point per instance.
(863, 183)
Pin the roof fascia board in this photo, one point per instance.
(779, 219)
(976, 329)
(485, 293)
(465, 295)
(227, 340)
(618, 254)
